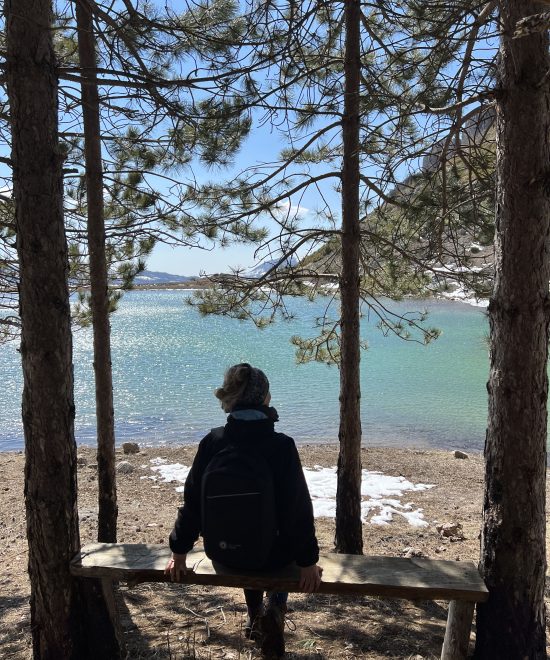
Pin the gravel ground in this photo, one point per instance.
(178, 622)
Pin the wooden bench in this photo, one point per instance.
(386, 577)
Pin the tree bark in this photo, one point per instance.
(59, 612)
(512, 623)
(46, 344)
(349, 532)
(107, 497)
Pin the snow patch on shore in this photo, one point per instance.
(380, 496)
(458, 291)
(380, 493)
(461, 294)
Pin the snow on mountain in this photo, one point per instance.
(262, 268)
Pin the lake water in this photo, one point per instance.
(167, 360)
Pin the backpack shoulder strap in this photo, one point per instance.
(218, 439)
(217, 433)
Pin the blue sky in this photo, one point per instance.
(192, 261)
(263, 145)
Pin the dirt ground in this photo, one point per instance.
(179, 622)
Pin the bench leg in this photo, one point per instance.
(108, 588)
(457, 633)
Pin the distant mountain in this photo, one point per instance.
(150, 277)
(261, 269)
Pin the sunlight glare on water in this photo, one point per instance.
(167, 361)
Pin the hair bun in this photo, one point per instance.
(243, 372)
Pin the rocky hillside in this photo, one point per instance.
(415, 246)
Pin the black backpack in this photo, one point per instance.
(239, 517)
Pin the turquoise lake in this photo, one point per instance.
(167, 360)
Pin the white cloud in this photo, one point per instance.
(290, 210)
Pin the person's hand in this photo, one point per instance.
(176, 567)
(310, 578)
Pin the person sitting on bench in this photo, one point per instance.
(247, 495)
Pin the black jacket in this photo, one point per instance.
(296, 540)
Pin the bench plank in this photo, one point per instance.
(391, 577)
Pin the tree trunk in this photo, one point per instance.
(108, 509)
(349, 532)
(512, 623)
(46, 344)
(59, 611)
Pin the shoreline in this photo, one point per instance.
(306, 445)
(460, 295)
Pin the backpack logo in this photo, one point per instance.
(228, 546)
(239, 518)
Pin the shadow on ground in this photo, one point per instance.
(14, 626)
(180, 622)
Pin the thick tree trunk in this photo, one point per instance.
(59, 612)
(46, 344)
(108, 509)
(512, 623)
(349, 533)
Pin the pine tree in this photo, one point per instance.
(313, 98)
(138, 163)
(349, 530)
(513, 561)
